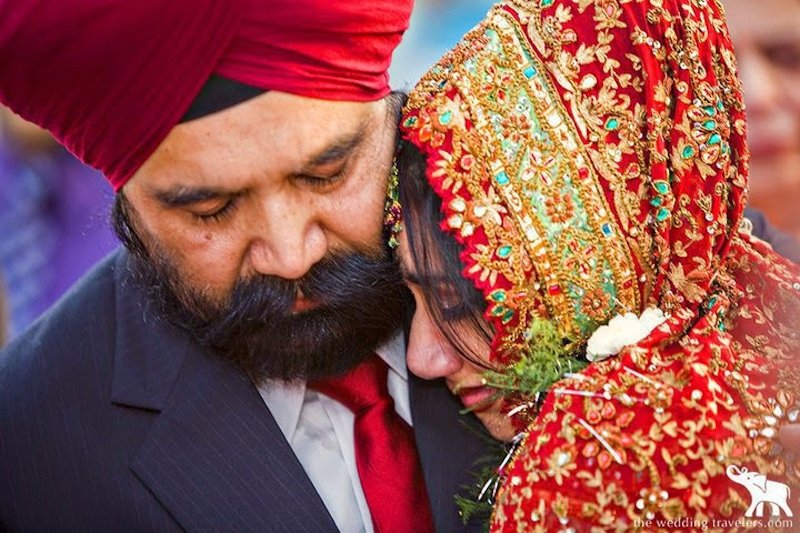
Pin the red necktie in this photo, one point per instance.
(386, 455)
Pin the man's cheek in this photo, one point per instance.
(371, 209)
(207, 272)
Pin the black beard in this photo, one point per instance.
(359, 298)
(359, 305)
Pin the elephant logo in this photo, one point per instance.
(762, 492)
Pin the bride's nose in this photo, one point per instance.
(429, 355)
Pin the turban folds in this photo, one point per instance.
(110, 79)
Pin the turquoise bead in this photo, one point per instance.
(661, 186)
(529, 72)
(498, 296)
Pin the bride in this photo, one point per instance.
(572, 185)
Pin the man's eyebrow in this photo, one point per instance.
(183, 196)
(339, 149)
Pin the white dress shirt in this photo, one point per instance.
(320, 431)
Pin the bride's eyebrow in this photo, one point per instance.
(428, 279)
(431, 280)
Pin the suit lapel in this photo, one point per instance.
(214, 457)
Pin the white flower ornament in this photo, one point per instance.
(622, 330)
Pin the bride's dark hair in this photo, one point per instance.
(453, 301)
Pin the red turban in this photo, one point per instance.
(110, 79)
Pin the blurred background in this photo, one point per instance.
(766, 37)
(54, 211)
(54, 215)
(436, 26)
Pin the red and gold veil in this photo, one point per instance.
(591, 159)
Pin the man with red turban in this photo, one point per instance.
(237, 366)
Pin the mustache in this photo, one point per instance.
(333, 284)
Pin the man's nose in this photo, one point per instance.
(429, 355)
(288, 241)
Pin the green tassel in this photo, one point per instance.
(546, 361)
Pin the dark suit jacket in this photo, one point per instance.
(111, 420)
(782, 243)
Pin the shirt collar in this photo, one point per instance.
(285, 400)
(394, 354)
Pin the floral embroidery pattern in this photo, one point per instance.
(591, 159)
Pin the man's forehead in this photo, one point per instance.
(275, 112)
(271, 133)
(303, 126)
